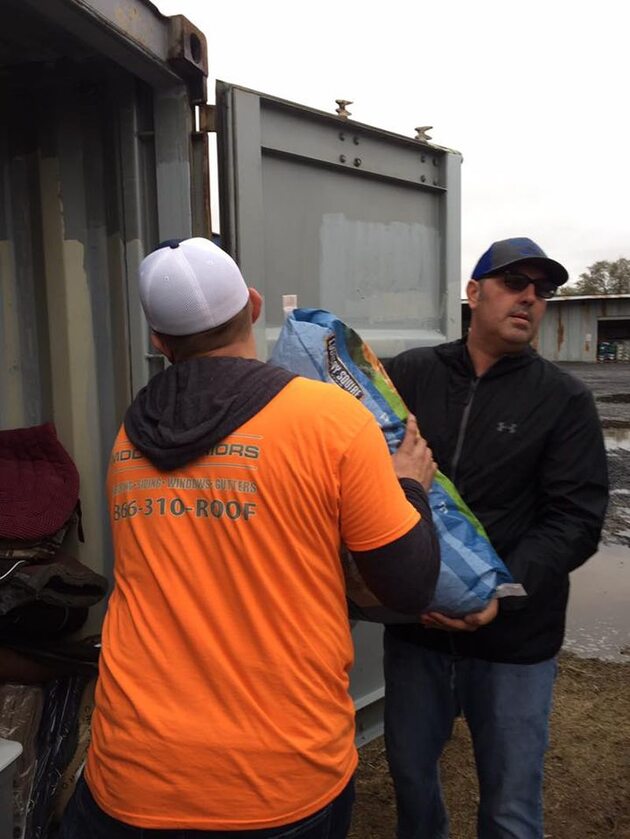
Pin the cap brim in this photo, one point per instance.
(556, 272)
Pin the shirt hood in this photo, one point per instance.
(194, 404)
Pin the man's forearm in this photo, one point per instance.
(403, 574)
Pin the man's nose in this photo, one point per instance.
(528, 295)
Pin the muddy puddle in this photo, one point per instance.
(598, 620)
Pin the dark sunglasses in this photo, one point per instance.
(544, 289)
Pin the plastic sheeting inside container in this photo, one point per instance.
(21, 709)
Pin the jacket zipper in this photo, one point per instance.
(462, 429)
(454, 463)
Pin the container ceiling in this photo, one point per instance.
(27, 38)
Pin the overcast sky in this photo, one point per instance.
(534, 94)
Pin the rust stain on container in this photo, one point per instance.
(559, 332)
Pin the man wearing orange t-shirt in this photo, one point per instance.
(222, 706)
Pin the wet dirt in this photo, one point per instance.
(587, 772)
(587, 785)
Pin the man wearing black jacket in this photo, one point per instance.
(521, 440)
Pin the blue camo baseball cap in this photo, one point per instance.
(510, 251)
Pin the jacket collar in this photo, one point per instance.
(455, 354)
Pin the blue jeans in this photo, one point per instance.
(507, 709)
(84, 819)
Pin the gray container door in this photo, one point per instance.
(352, 219)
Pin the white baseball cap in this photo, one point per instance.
(189, 286)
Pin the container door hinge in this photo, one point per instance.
(205, 119)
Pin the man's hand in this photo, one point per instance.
(435, 620)
(413, 458)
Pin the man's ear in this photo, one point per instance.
(161, 346)
(473, 291)
(257, 302)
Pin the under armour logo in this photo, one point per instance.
(510, 427)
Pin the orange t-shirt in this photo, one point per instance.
(222, 701)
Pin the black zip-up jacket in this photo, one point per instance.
(523, 444)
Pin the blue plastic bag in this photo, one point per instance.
(315, 344)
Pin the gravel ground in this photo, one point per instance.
(610, 385)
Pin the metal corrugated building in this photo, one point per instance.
(574, 327)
